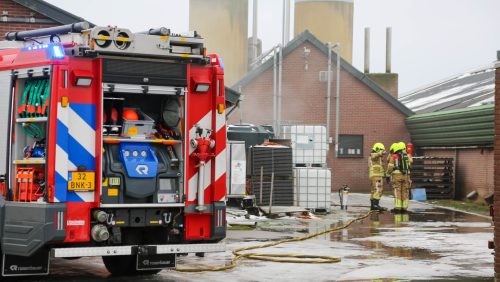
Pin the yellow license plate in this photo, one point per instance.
(81, 181)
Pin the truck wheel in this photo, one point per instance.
(125, 265)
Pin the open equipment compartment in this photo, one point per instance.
(29, 127)
(143, 145)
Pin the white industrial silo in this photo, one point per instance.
(224, 25)
(328, 20)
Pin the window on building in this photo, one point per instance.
(350, 146)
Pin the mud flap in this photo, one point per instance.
(37, 264)
(158, 261)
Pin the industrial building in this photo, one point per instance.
(368, 113)
(455, 118)
(304, 89)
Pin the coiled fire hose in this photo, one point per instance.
(290, 258)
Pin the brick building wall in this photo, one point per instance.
(474, 170)
(17, 11)
(497, 174)
(362, 111)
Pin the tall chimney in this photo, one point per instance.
(386, 80)
(388, 49)
(254, 31)
(286, 23)
(367, 50)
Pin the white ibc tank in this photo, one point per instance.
(313, 187)
(309, 143)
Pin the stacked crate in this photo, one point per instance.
(312, 178)
(435, 174)
(271, 159)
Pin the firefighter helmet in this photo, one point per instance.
(402, 146)
(130, 114)
(393, 147)
(378, 147)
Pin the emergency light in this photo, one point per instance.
(56, 51)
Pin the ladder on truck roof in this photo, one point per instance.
(84, 40)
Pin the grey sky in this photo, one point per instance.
(432, 39)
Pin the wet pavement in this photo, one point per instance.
(427, 244)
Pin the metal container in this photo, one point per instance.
(267, 160)
(282, 190)
(275, 159)
(309, 144)
(141, 128)
(313, 187)
(236, 169)
(329, 20)
(251, 134)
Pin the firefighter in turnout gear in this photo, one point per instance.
(377, 174)
(398, 168)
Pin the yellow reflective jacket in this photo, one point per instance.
(375, 164)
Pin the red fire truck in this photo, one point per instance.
(112, 144)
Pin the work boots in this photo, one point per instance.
(396, 210)
(375, 205)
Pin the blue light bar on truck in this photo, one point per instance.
(57, 51)
(54, 51)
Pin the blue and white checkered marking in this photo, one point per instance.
(75, 146)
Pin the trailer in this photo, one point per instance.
(112, 145)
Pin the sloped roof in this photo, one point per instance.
(469, 89)
(308, 36)
(50, 11)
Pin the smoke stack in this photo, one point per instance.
(367, 50)
(386, 80)
(286, 23)
(388, 49)
(254, 30)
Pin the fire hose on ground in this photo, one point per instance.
(289, 258)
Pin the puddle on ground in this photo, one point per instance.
(377, 231)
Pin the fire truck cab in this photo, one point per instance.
(112, 144)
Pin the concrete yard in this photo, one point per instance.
(430, 243)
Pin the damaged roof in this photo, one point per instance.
(469, 89)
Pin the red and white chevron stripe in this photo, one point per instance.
(201, 110)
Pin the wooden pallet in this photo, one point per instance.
(436, 175)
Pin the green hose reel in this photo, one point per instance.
(35, 99)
